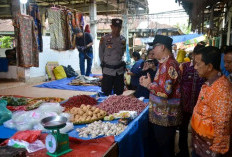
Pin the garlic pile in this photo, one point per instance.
(99, 128)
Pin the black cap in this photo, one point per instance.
(117, 22)
(77, 30)
(166, 40)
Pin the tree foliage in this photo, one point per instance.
(186, 29)
(6, 42)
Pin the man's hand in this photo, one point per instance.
(145, 80)
(81, 48)
(130, 73)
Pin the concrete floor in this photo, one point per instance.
(23, 89)
(27, 89)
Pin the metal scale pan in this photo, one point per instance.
(54, 122)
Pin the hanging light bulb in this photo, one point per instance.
(23, 1)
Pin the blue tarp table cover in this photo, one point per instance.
(64, 84)
(132, 141)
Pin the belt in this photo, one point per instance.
(104, 65)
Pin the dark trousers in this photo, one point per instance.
(194, 154)
(183, 135)
(112, 82)
(163, 141)
(82, 59)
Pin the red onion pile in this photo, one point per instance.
(114, 104)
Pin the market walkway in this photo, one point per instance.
(23, 89)
(27, 89)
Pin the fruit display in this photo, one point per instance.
(86, 114)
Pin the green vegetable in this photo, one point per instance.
(13, 101)
(35, 105)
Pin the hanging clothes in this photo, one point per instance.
(81, 21)
(87, 29)
(57, 19)
(34, 12)
(70, 30)
(27, 48)
(76, 20)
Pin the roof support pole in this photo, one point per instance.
(229, 26)
(126, 32)
(23, 8)
(93, 29)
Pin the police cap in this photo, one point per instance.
(117, 22)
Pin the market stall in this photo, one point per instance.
(131, 139)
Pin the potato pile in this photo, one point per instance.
(86, 114)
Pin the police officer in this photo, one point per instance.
(111, 51)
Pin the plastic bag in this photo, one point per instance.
(70, 72)
(30, 147)
(29, 136)
(127, 79)
(5, 114)
(9, 124)
(67, 115)
(25, 120)
(69, 126)
(59, 72)
(51, 107)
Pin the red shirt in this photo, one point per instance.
(165, 94)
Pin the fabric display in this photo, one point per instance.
(62, 22)
(85, 81)
(34, 12)
(27, 47)
(58, 28)
(70, 30)
(81, 20)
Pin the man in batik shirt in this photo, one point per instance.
(190, 88)
(164, 99)
(212, 115)
(228, 61)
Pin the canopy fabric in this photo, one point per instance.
(176, 39)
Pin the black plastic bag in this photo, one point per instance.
(70, 71)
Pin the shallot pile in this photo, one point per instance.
(114, 104)
(76, 101)
(99, 128)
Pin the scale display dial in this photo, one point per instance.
(51, 143)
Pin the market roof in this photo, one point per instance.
(104, 7)
(205, 12)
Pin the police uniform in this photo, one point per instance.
(111, 51)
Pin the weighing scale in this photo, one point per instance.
(56, 143)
